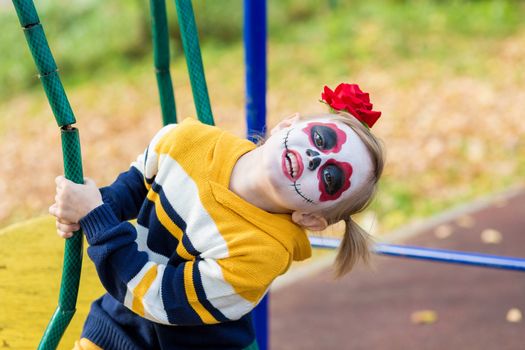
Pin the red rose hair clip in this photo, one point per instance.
(350, 98)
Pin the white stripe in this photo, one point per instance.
(183, 194)
(149, 170)
(220, 293)
(152, 301)
(132, 284)
(142, 243)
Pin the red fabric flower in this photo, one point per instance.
(350, 98)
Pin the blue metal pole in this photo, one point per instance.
(255, 16)
(439, 255)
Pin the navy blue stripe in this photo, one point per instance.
(201, 294)
(130, 261)
(149, 181)
(145, 157)
(145, 212)
(176, 219)
(160, 240)
(174, 297)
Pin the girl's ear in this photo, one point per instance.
(285, 123)
(309, 221)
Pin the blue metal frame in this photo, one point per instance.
(255, 13)
(438, 255)
(255, 34)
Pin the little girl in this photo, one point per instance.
(218, 219)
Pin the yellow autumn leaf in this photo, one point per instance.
(465, 221)
(514, 315)
(491, 236)
(424, 317)
(443, 231)
(500, 203)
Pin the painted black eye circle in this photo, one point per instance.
(323, 137)
(329, 181)
(333, 178)
(318, 140)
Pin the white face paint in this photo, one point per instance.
(314, 164)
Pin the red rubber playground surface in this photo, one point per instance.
(468, 307)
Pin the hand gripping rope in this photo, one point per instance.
(48, 74)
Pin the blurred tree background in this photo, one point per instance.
(447, 74)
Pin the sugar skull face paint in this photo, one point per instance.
(334, 179)
(334, 176)
(316, 163)
(326, 137)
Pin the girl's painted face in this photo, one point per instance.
(318, 162)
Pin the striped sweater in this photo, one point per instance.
(198, 254)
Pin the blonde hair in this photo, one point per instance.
(356, 241)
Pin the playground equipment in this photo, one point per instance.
(255, 44)
(48, 74)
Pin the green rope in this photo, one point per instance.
(48, 74)
(161, 54)
(192, 51)
(64, 116)
(190, 42)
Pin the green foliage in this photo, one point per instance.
(83, 35)
(93, 36)
(387, 31)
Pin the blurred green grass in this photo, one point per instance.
(95, 37)
(403, 45)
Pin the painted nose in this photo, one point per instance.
(313, 159)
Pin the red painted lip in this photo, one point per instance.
(300, 164)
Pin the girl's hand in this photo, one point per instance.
(65, 229)
(73, 202)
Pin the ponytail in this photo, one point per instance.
(354, 246)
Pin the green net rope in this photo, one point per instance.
(64, 116)
(161, 56)
(48, 74)
(192, 51)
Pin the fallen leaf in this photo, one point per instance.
(514, 315)
(423, 317)
(491, 236)
(500, 203)
(443, 231)
(465, 221)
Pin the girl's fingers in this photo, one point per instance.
(67, 227)
(52, 209)
(59, 180)
(66, 230)
(65, 234)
